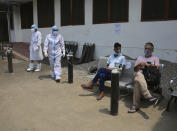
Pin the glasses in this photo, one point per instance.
(148, 48)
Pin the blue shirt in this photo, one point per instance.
(118, 60)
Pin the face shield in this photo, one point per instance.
(54, 30)
(54, 33)
(32, 30)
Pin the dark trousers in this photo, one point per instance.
(103, 74)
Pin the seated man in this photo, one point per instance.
(140, 84)
(104, 74)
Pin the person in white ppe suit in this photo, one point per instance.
(35, 49)
(54, 48)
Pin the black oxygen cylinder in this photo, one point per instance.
(115, 91)
(70, 68)
(9, 58)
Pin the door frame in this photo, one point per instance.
(8, 23)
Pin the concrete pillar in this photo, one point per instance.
(17, 24)
(35, 15)
(57, 12)
(134, 11)
(88, 12)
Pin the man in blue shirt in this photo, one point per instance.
(103, 74)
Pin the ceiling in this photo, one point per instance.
(18, 0)
(14, 1)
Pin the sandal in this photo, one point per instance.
(84, 86)
(151, 99)
(133, 109)
(99, 97)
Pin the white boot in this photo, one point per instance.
(38, 68)
(53, 75)
(57, 78)
(31, 67)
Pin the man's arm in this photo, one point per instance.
(143, 64)
(108, 68)
(108, 62)
(123, 63)
(46, 43)
(157, 63)
(139, 66)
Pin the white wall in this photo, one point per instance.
(16, 33)
(133, 34)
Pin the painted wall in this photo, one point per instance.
(133, 34)
(15, 34)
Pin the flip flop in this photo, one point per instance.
(133, 109)
(99, 98)
(151, 99)
(86, 87)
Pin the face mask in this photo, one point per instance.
(55, 33)
(117, 53)
(32, 30)
(148, 53)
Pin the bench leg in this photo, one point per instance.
(127, 94)
(168, 105)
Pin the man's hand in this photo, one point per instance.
(139, 66)
(108, 68)
(142, 64)
(36, 48)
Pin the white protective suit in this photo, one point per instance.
(55, 46)
(35, 46)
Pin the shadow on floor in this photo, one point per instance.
(168, 120)
(105, 111)
(44, 77)
(127, 101)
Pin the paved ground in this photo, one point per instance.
(34, 102)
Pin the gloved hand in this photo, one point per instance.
(36, 48)
(45, 53)
(63, 53)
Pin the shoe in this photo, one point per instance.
(151, 99)
(133, 109)
(53, 76)
(58, 80)
(31, 67)
(99, 97)
(86, 87)
(38, 68)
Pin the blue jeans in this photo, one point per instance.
(103, 74)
